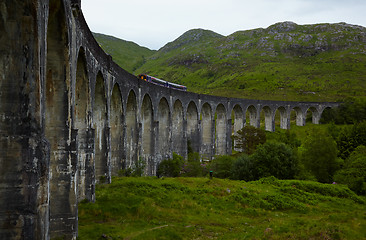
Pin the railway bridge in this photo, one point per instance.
(70, 118)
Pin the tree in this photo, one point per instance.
(350, 138)
(319, 156)
(274, 159)
(248, 138)
(354, 172)
(242, 169)
(222, 166)
(171, 167)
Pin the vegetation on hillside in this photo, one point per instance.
(286, 61)
(203, 208)
(128, 55)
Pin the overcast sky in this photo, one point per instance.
(153, 23)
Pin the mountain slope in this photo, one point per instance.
(128, 55)
(286, 61)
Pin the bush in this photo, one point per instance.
(274, 159)
(222, 166)
(248, 138)
(350, 138)
(354, 172)
(135, 171)
(170, 167)
(319, 156)
(193, 167)
(242, 168)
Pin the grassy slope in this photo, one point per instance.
(128, 55)
(325, 62)
(199, 208)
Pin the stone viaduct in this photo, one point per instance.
(70, 117)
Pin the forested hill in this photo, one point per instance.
(286, 61)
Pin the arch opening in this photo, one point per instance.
(63, 192)
(81, 112)
(147, 134)
(207, 131)
(192, 128)
(221, 135)
(131, 131)
(268, 118)
(179, 146)
(164, 138)
(251, 116)
(238, 122)
(116, 122)
(100, 138)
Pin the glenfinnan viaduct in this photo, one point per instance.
(70, 117)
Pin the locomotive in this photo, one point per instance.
(161, 82)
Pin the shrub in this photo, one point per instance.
(248, 138)
(350, 138)
(354, 172)
(222, 166)
(274, 159)
(242, 168)
(319, 156)
(170, 167)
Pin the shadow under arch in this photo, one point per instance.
(179, 145)
(164, 136)
(147, 129)
(221, 128)
(207, 125)
(193, 141)
(63, 192)
(101, 130)
(251, 116)
(117, 131)
(131, 131)
(238, 122)
(81, 123)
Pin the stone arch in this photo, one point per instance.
(326, 115)
(221, 129)
(81, 114)
(207, 125)
(99, 123)
(268, 119)
(179, 146)
(164, 138)
(313, 115)
(192, 127)
(299, 116)
(251, 116)
(147, 129)
(117, 128)
(284, 118)
(238, 122)
(131, 130)
(63, 192)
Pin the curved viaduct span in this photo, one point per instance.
(70, 117)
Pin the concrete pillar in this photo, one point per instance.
(284, 118)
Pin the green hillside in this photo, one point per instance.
(201, 208)
(128, 55)
(286, 61)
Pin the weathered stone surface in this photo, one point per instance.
(70, 117)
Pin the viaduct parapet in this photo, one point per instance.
(70, 118)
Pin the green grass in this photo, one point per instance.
(200, 208)
(128, 55)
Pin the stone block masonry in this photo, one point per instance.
(71, 118)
